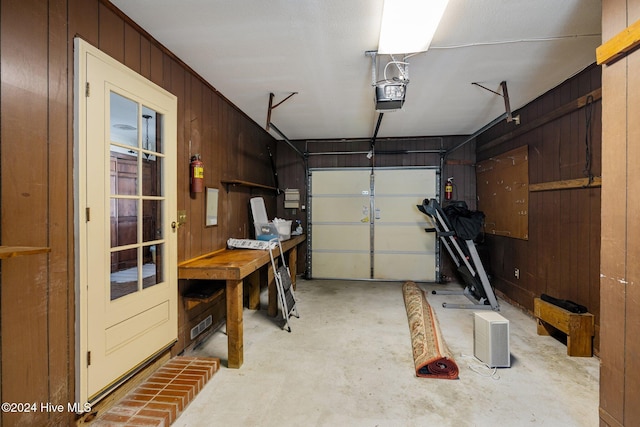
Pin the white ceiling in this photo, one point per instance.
(247, 49)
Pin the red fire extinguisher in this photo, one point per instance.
(448, 189)
(197, 174)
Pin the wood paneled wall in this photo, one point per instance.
(36, 182)
(36, 308)
(562, 255)
(620, 271)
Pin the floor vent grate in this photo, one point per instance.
(200, 327)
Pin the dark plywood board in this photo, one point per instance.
(145, 60)
(132, 48)
(111, 33)
(196, 200)
(209, 234)
(177, 87)
(61, 295)
(24, 189)
(83, 22)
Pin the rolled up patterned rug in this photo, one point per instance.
(431, 355)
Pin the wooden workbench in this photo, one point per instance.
(233, 266)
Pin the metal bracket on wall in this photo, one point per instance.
(505, 96)
(273, 107)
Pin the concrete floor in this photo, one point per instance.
(348, 361)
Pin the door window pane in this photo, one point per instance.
(151, 174)
(124, 273)
(151, 147)
(124, 120)
(151, 219)
(124, 226)
(124, 172)
(149, 130)
(154, 264)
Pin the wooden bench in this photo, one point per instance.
(233, 266)
(580, 328)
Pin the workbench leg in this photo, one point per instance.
(272, 309)
(235, 344)
(293, 265)
(253, 284)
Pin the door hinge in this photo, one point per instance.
(88, 214)
(88, 358)
(87, 90)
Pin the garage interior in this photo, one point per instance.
(271, 97)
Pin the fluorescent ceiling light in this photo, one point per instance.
(408, 26)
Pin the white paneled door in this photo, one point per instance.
(402, 249)
(340, 230)
(125, 200)
(366, 225)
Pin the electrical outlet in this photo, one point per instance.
(516, 273)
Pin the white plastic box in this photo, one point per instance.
(284, 229)
(266, 231)
(271, 230)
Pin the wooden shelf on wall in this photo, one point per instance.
(249, 184)
(14, 251)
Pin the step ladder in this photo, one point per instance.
(284, 285)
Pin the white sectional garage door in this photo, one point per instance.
(367, 226)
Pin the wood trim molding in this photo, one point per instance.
(566, 184)
(619, 45)
(14, 251)
(249, 184)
